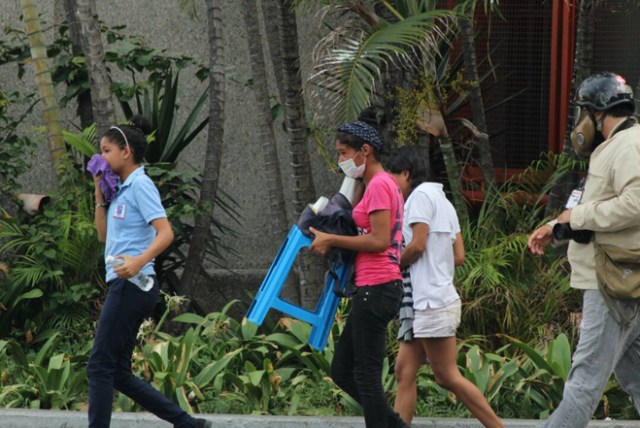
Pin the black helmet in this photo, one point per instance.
(603, 91)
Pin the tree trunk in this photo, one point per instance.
(278, 213)
(448, 155)
(272, 27)
(582, 64)
(51, 111)
(304, 190)
(485, 160)
(213, 156)
(310, 268)
(85, 108)
(453, 174)
(103, 109)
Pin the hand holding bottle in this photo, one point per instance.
(128, 267)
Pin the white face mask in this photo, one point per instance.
(350, 169)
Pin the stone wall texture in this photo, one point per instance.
(164, 26)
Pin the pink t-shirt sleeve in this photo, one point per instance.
(379, 198)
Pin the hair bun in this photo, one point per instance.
(142, 123)
(373, 116)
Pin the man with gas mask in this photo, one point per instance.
(605, 210)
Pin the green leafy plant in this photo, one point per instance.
(161, 108)
(489, 371)
(233, 366)
(179, 193)
(545, 381)
(169, 363)
(55, 254)
(174, 364)
(51, 380)
(14, 301)
(260, 385)
(128, 53)
(14, 147)
(504, 288)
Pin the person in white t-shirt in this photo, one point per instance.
(431, 308)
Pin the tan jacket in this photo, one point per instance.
(610, 205)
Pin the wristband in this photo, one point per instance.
(101, 205)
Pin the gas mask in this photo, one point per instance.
(350, 169)
(586, 134)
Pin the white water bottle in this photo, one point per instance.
(319, 205)
(144, 282)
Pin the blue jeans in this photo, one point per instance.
(604, 347)
(359, 356)
(125, 307)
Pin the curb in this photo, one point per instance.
(20, 418)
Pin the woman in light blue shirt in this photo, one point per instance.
(135, 228)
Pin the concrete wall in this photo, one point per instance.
(164, 26)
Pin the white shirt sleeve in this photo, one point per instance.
(420, 209)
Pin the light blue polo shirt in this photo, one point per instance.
(129, 229)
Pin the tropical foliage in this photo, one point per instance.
(504, 287)
(160, 107)
(350, 60)
(218, 364)
(44, 380)
(520, 316)
(53, 261)
(13, 145)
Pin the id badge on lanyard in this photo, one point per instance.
(576, 196)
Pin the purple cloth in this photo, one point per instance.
(98, 166)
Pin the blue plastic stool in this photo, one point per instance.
(268, 296)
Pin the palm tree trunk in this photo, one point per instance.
(310, 271)
(582, 65)
(213, 156)
(103, 109)
(474, 92)
(304, 190)
(51, 111)
(272, 27)
(450, 161)
(85, 109)
(453, 174)
(278, 213)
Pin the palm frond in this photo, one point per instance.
(13, 237)
(29, 272)
(348, 61)
(84, 143)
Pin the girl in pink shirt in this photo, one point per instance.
(358, 360)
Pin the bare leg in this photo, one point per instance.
(442, 355)
(410, 356)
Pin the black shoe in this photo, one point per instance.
(394, 421)
(203, 423)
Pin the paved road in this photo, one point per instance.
(11, 418)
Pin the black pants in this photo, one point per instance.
(359, 356)
(125, 307)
